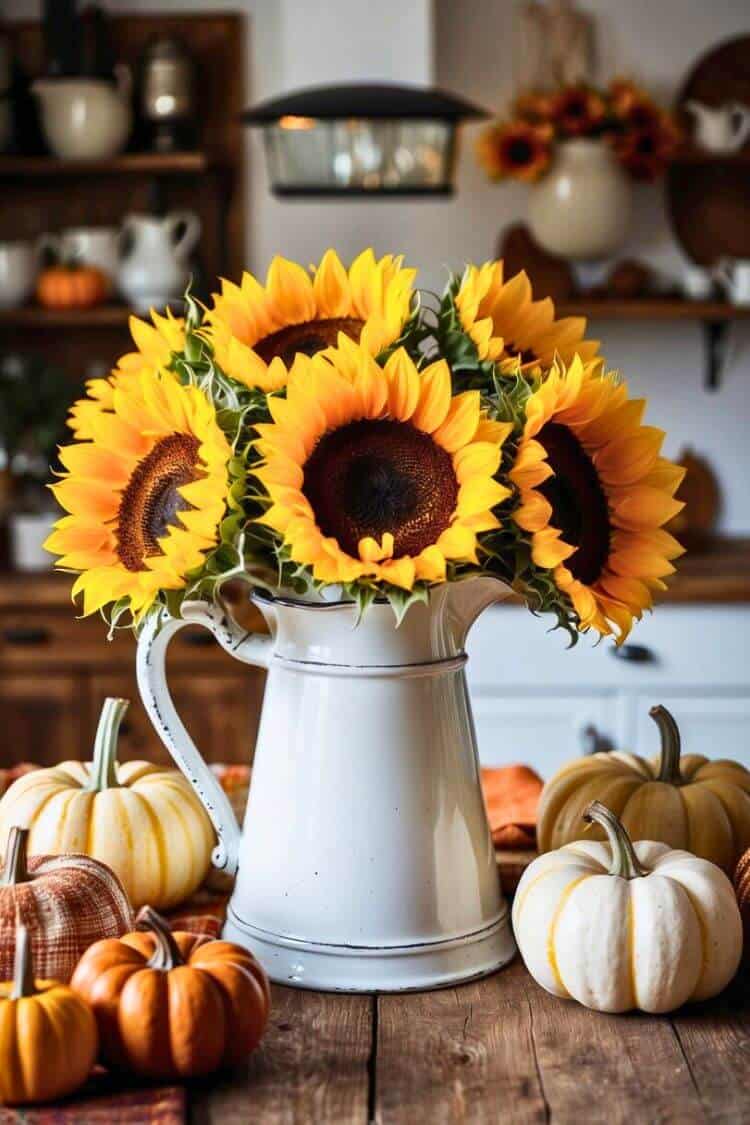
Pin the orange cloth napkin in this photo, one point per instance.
(511, 795)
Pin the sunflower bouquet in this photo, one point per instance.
(335, 434)
(644, 136)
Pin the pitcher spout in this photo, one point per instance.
(466, 600)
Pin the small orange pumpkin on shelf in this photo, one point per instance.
(48, 1037)
(72, 286)
(66, 902)
(173, 1005)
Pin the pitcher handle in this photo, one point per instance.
(153, 642)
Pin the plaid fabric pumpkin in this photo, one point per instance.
(66, 903)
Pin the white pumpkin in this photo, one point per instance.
(143, 821)
(620, 925)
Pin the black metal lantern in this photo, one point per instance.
(360, 140)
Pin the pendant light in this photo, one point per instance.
(361, 140)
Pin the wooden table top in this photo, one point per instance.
(500, 1049)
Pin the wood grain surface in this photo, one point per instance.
(498, 1050)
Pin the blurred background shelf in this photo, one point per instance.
(133, 163)
(31, 316)
(653, 308)
(702, 156)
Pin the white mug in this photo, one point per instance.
(89, 246)
(697, 283)
(723, 128)
(19, 266)
(734, 275)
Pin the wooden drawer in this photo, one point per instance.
(34, 639)
(42, 720)
(220, 713)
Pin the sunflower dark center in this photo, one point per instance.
(520, 152)
(309, 338)
(579, 505)
(151, 502)
(372, 477)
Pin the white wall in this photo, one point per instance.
(467, 44)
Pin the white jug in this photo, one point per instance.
(734, 276)
(366, 862)
(155, 258)
(724, 129)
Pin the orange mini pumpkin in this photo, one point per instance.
(71, 287)
(171, 1005)
(48, 1036)
(66, 902)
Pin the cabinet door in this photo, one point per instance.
(42, 718)
(542, 731)
(715, 725)
(220, 712)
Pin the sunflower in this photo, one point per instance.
(378, 473)
(521, 149)
(630, 103)
(507, 326)
(257, 331)
(646, 150)
(154, 343)
(145, 495)
(534, 106)
(594, 495)
(578, 111)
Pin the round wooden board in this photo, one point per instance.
(709, 203)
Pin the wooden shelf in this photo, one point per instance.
(32, 316)
(703, 156)
(653, 308)
(140, 163)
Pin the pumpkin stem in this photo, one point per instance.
(625, 862)
(15, 870)
(23, 970)
(104, 766)
(669, 766)
(166, 955)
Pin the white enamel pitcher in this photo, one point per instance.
(366, 862)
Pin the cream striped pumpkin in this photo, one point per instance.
(143, 821)
(620, 925)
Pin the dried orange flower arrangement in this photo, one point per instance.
(327, 433)
(643, 135)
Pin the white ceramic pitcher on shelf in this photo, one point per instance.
(723, 128)
(155, 254)
(366, 862)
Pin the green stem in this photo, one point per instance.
(15, 870)
(669, 766)
(625, 862)
(166, 955)
(104, 766)
(23, 970)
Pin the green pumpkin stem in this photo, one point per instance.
(669, 766)
(15, 870)
(166, 955)
(625, 862)
(104, 766)
(23, 970)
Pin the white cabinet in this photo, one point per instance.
(533, 698)
(715, 725)
(542, 729)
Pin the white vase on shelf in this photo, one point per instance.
(581, 208)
